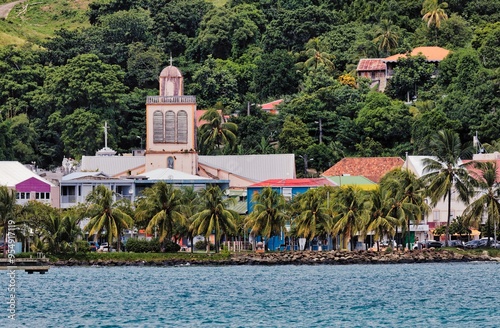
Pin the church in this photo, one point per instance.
(171, 155)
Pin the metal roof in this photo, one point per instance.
(254, 167)
(112, 165)
(12, 173)
(80, 175)
(371, 64)
(170, 174)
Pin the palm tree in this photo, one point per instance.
(351, 209)
(317, 56)
(488, 202)
(214, 216)
(313, 214)
(105, 216)
(161, 208)
(215, 134)
(380, 222)
(388, 36)
(445, 171)
(434, 12)
(268, 216)
(7, 210)
(408, 201)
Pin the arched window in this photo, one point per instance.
(158, 127)
(170, 162)
(170, 126)
(182, 127)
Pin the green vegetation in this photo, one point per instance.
(86, 62)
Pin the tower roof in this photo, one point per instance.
(170, 71)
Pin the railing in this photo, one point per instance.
(68, 199)
(171, 100)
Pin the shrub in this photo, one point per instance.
(202, 245)
(150, 246)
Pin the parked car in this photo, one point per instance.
(456, 243)
(483, 242)
(433, 243)
(104, 247)
(428, 244)
(472, 244)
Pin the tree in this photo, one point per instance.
(434, 13)
(317, 56)
(388, 36)
(104, 215)
(294, 137)
(488, 201)
(313, 214)
(410, 74)
(215, 133)
(350, 210)
(7, 210)
(380, 222)
(213, 216)
(445, 172)
(408, 198)
(267, 218)
(161, 208)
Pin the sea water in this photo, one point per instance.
(387, 295)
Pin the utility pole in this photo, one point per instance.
(320, 131)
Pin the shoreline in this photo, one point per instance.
(298, 258)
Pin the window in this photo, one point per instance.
(42, 195)
(287, 192)
(182, 127)
(23, 195)
(436, 216)
(170, 162)
(158, 126)
(170, 126)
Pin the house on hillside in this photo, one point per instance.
(271, 107)
(379, 70)
(27, 184)
(372, 168)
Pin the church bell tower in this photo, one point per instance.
(170, 125)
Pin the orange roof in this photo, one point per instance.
(431, 53)
(371, 64)
(373, 168)
(271, 105)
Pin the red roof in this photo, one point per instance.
(431, 53)
(476, 173)
(373, 168)
(306, 182)
(371, 64)
(271, 105)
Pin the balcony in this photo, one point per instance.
(171, 100)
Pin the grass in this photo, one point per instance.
(40, 19)
(132, 257)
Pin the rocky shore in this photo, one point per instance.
(303, 258)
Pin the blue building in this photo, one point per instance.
(288, 188)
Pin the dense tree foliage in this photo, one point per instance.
(56, 95)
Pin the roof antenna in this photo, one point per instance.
(477, 145)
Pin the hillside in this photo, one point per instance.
(234, 55)
(35, 20)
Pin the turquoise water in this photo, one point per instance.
(406, 295)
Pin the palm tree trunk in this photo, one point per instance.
(449, 219)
